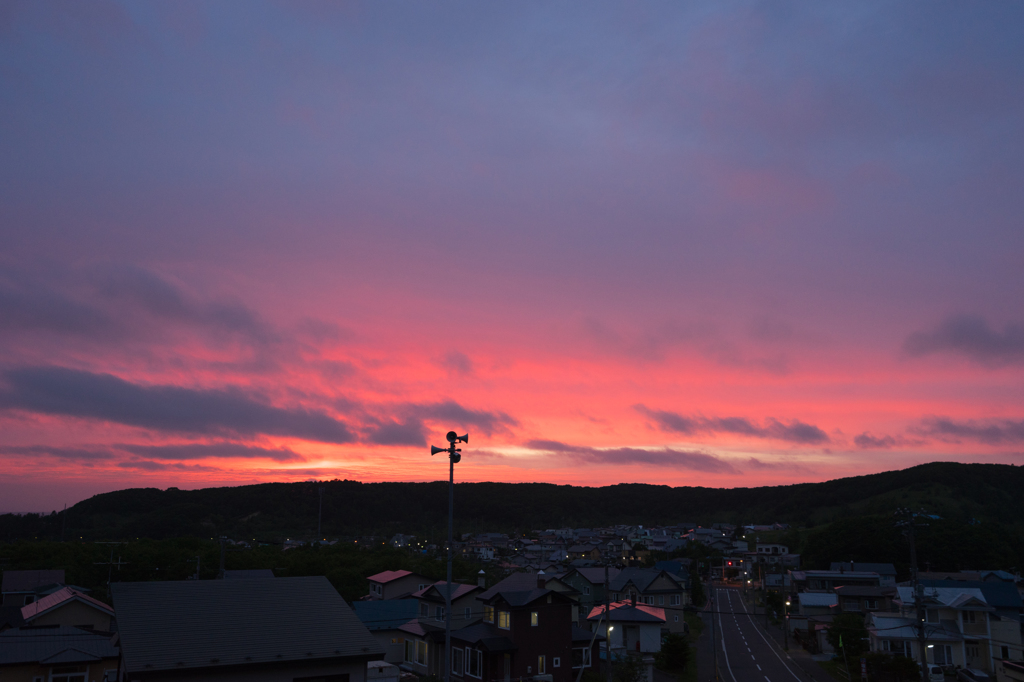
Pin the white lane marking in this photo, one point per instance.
(724, 653)
(773, 648)
(758, 667)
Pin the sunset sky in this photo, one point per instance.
(716, 244)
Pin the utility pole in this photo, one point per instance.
(223, 540)
(320, 515)
(64, 524)
(110, 564)
(907, 523)
(714, 638)
(607, 624)
(454, 455)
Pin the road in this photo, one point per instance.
(745, 654)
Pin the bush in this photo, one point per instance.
(674, 654)
(847, 632)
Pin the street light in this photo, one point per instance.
(453, 457)
(785, 626)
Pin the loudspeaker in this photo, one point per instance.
(435, 450)
(464, 439)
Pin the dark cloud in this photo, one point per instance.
(666, 457)
(75, 393)
(972, 337)
(411, 431)
(990, 432)
(794, 432)
(150, 465)
(460, 418)
(77, 454)
(38, 308)
(456, 362)
(868, 442)
(212, 450)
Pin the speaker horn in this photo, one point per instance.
(464, 439)
(435, 450)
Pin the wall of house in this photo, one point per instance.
(28, 673)
(355, 670)
(405, 585)
(551, 637)
(75, 614)
(393, 642)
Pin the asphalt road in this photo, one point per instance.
(745, 654)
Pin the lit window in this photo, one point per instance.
(533, 619)
(488, 614)
(541, 665)
(504, 620)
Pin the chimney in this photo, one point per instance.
(542, 579)
(481, 579)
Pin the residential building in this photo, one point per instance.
(432, 601)
(396, 584)
(654, 587)
(589, 585)
(827, 581)
(24, 587)
(886, 572)
(635, 627)
(67, 606)
(249, 574)
(286, 628)
(961, 628)
(58, 653)
(384, 619)
(860, 599)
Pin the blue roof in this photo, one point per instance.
(386, 614)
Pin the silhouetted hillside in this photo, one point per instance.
(961, 493)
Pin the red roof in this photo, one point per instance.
(62, 596)
(388, 576)
(626, 611)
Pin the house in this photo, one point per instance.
(812, 612)
(524, 634)
(654, 587)
(827, 581)
(396, 584)
(635, 626)
(772, 558)
(286, 628)
(67, 606)
(57, 653)
(24, 587)
(432, 601)
(961, 628)
(589, 585)
(886, 572)
(588, 551)
(384, 619)
(860, 599)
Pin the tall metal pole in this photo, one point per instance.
(607, 624)
(714, 641)
(448, 594)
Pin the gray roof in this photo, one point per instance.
(860, 567)
(521, 597)
(52, 645)
(249, 574)
(386, 614)
(595, 576)
(487, 636)
(640, 577)
(1000, 595)
(581, 636)
(514, 582)
(27, 581)
(176, 625)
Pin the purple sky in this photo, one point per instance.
(336, 230)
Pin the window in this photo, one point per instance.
(421, 586)
(504, 620)
(615, 596)
(1004, 652)
(676, 619)
(469, 612)
(488, 614)
(421, 652)
(410, 651)
(534, 621)
(932, 615)
(973, 651)
(675, 600)
(438, 613)
(556, 662)
(68, 673)
(586, 589)
(970, 617)
(458, 656)
(474, 662)
(870, 604)
(581, 658)
(541, 665)
(898, 647)
(661, 601)
(649, 600)
(942, 654)
(424, 610)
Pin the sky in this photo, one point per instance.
(704, 244)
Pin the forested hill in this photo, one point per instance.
(965, 493)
